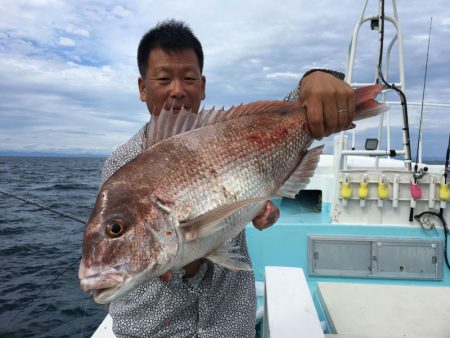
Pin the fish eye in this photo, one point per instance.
(115, 228)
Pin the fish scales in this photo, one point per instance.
(242, 158)
(248, 157)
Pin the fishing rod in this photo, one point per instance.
(416, 192)
(406, 136)
(44, 207)
(446, 160)
(402, 95)
(441, 210)
(419, 139)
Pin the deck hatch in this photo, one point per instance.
(375, 257)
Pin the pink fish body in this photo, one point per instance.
(188, 194)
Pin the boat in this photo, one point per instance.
(362, 250)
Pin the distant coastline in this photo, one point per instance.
(49, 154)
(429, 160)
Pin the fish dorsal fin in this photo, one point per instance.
(168, 123)
(299, 179)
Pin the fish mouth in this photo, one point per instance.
(105, 283)
(101, 281)
(105, 296)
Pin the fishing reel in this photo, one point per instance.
(418, 174)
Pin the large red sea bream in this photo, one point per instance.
(205, 177)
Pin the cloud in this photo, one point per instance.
(71, 82)
(121, 12)
(64, 41)
(288, 75)
(77, 31)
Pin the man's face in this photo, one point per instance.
(172, 80)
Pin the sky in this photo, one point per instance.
(68, 74)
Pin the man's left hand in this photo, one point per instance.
(329, 103)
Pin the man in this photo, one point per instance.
(203, 299)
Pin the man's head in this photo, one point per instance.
(171, 36)
(170, 60)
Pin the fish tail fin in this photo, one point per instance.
(366, 105)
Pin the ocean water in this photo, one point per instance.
(36, 245)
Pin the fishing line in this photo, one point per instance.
(84, 314)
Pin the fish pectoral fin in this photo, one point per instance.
(209, 223)
(228, 259)
(301, 175)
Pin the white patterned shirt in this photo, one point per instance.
(216, 302)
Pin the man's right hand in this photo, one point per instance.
(190, 271)
(267, 216)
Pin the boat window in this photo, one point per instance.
(310, 200)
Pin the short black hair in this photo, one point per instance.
(171, 36)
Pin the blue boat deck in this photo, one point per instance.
(286, 244)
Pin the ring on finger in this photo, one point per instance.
(342, 110)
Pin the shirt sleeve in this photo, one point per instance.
(295, 93)
(124, 154)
